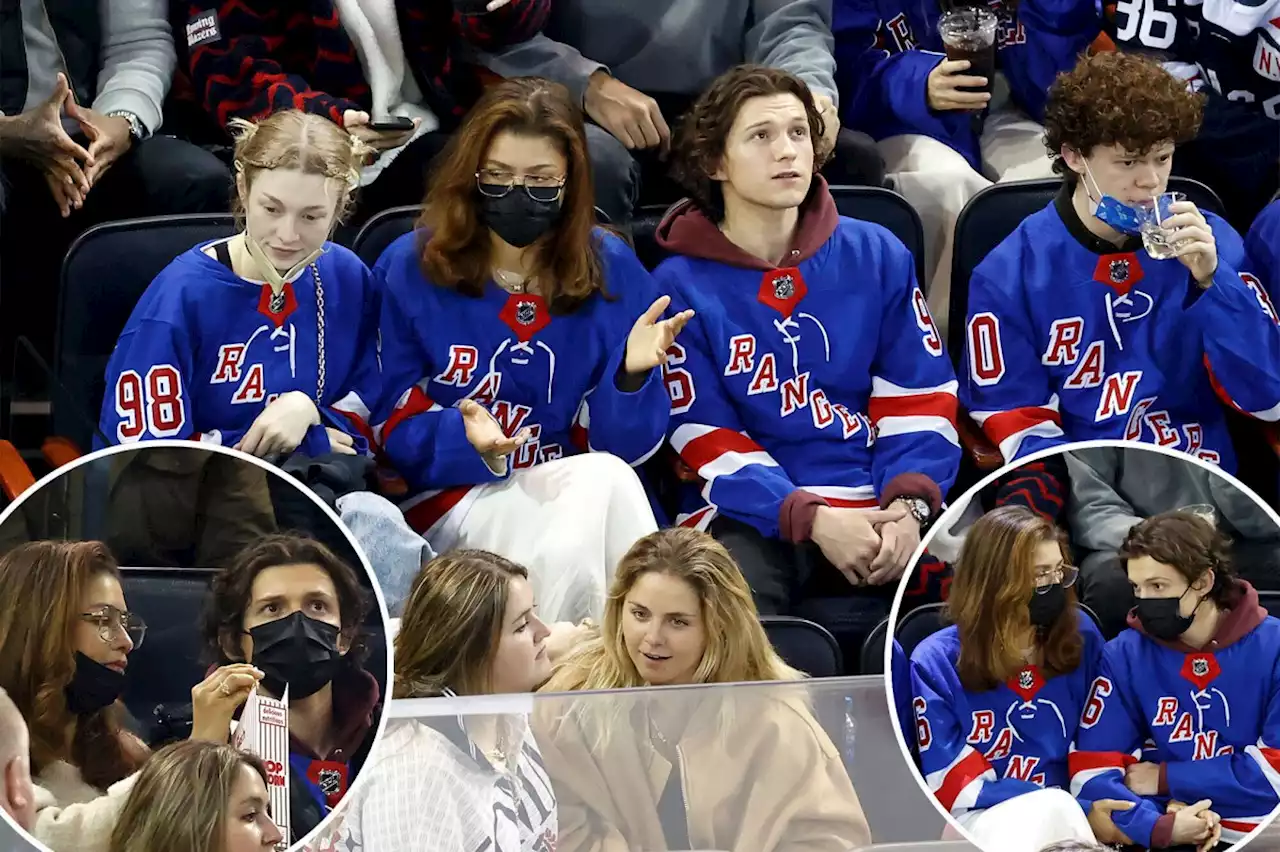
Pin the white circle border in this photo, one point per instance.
(272, 470)
(963, 503)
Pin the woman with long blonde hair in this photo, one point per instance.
(65, 639)
(198, 797)
(998, 695)
(469, 628)
(264, 341)
(742, 769)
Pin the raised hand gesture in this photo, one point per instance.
(651, 336)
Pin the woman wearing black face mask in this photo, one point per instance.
(1197, 680)
(516, 337)
(997, 696)
(65, 639)
(293, 609)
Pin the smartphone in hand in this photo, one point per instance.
(392, 124)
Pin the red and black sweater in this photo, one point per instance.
(268, 55)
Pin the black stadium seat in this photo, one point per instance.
(383, 229)
(644, 231)
(804, 645)
(872, 656)
(919, 624)
(105, 273)
(994, 213)
(1271, 601)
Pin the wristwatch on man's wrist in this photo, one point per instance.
(137, 130)
(918, 507)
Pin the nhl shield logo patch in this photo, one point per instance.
(782, 290)
(1026, 683)
(1119, 271)
(526, 315)
(1201, 669)
(784, 287)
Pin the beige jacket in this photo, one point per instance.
(760, 775)
(73, 816)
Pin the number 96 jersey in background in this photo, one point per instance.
(204, 352)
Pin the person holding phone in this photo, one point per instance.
(389, 73)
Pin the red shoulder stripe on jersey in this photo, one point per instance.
(1005, 423)
(1083, 761)
(916, 405)
(971, 766)
(417, 403)
(704, 449)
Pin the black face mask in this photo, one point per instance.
(1160, 618)
(298, 651)
(93, 686)
(1045, 608)
(517, 219)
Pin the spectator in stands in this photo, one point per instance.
(80, 113)
(509, 300)
(295, 611)
(821, 416)
(637, 68)
(63, 656)
(361, 65)
(264, 341)
(1070, 317)
(942, 136)
(184, 507)
(1227, 52)
(1114, 488)
(1195, 625)
(470, 627)
(998, 694)
(680, 612)
(17, 797)
(198, 797)
(1263, 247)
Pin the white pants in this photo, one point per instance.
(937, 181)
(1028, 823)
(569, 521)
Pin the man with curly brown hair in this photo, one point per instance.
(1076, 332)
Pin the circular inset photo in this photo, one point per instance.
(193, 655)
(1104, 668)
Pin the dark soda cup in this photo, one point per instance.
(969, 33)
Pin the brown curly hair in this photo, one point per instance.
(699, 141)
(1118, 99)
(1190, 545)
(42, 583)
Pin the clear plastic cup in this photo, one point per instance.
(969, 32)
(1202, 510)
(1151, 213)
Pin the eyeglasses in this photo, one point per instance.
(496, 183)
(112, 623)
(1064, 575)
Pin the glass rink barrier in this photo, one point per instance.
(809, 765)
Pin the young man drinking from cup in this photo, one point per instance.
(1076, 332)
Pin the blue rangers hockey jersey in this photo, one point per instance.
(1210, 718)
(551, 374)
(808, 377)
(1262, 245)
(1070, 338)
(978, 749)
(204, 353)
(885, 50)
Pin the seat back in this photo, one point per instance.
(1271, 601)
(804, 645)
(995, 213)
(872, 656)
(383, 229)
(172, 657)
(644, 233)
(891, 211)
(918, 625)
(104, 274)
(1093, 616)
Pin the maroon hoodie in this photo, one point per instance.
(688, 231)
(1241, 617)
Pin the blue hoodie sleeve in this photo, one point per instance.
(631, 425)
(885, 93)
(1049, 37)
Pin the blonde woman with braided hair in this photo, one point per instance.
(264, 341)
(746, 769)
